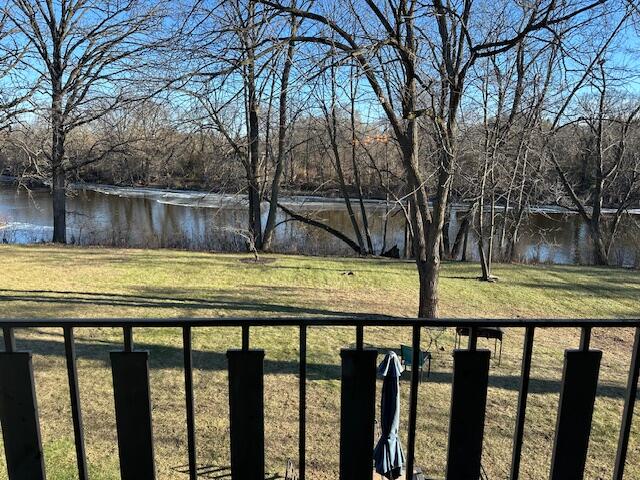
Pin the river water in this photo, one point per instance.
(140, 217)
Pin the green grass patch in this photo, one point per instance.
(48, 281)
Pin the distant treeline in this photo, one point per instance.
(147, 146)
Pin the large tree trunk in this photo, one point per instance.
(428, 261)
(58, 186)
(59, 206)
(255, 214)
(428, 272)
(429, 268)
(426, 224)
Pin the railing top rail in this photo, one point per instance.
(346, 321)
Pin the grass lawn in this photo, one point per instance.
(47, 281)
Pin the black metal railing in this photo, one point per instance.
(130, 370)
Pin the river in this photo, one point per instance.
(151, 218)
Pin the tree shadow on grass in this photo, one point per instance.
(171, 357)
(166, 299)
(609, 290)
(219, 472)
(512, 383)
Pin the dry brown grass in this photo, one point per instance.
(53, 281)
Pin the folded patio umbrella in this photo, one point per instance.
(388, 454)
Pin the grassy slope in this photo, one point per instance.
(52, 281)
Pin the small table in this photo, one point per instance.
(483, 332)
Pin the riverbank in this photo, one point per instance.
(45, 281)
(191, 220)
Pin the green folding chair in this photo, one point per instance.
(406, 357)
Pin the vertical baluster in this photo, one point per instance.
(357, 413)
(128, 339)
(246, 408)
(19, 414)
(245, 337)
(74, 392)
(518, 435)
(188, 388)
(413, 400)
(302, 428)
(359, 337)
(132, 398)
(629, 404)
(473, 338)
(575, 412)
(585, 338)
(9, 340)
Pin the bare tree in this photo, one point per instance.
(236, 53)
(508, 113)
(388, 44)
(606, 170)
(607, 159)
(86, 51)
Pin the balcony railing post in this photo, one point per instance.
(629, 404)
(132, 398)
(74, 393)
(19, 417)
(246, 408)
(468, 408)
(575, 412)
(473, 338)
(357, 413)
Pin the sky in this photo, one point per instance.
(624, 55)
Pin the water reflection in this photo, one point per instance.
(195, 221)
